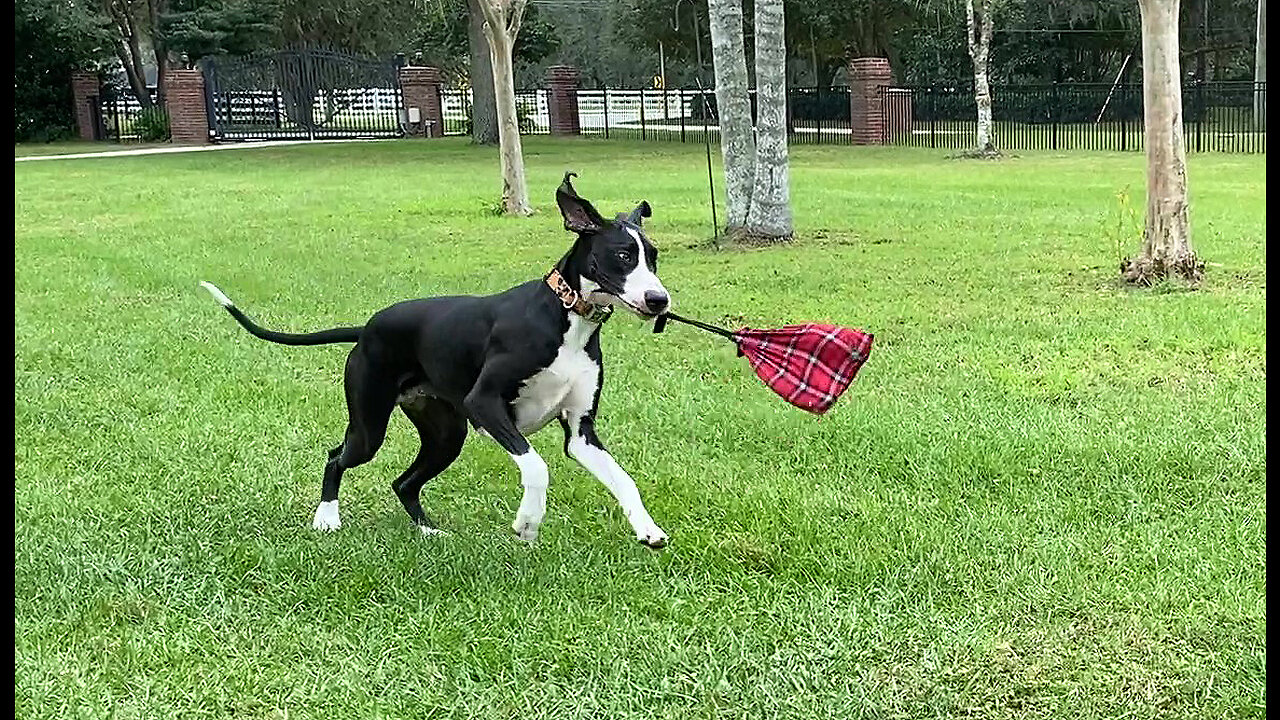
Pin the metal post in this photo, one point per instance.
(680, 94)
(706, 137)
(606, 112)
(1199, 109)
(933, 118)
(642, 134)
(666, 110)
(1124, 122)
(662, 63)
(1053, 117)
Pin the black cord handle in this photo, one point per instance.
(661, 323)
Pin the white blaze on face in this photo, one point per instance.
(641, 279)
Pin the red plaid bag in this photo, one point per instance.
(808, 365)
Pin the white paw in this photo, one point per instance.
(327, 517)
(432, 532)
(652, 536)
(526, 528)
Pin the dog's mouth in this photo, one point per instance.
(616, 299)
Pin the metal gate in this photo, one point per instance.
(303, 94)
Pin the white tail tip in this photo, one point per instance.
(216, 293)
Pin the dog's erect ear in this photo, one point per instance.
(642, 211)
(578, 214)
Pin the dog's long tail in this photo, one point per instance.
(323, 337)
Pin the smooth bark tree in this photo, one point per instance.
(979, 41)
(502, 24)
(1166, 246)
(755, 159)
(733, 105)
(769, 219)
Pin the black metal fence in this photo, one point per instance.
(119, 117)
(1216, 117)
(674, 115)
(303, 94)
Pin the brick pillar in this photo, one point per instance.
(85, 85)
(867, 79)
(562, 99)
(184, 100)
(420, 87)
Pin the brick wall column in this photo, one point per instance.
(867, 79)
(420, 87)
(184, 100)
(562, 99)
(84, 85)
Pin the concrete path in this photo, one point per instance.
(188, 148)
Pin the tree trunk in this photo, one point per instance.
(769, 219)
(157, 9)
(162, 70)
(484, 112)
(1260, 68)
(1166, 245)
(737, 145)
(979, 38)
(138, 75)
(126, 47)
(502, 23)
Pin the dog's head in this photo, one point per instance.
(614, 261)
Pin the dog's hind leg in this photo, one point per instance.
(442, 430)
(370, 400)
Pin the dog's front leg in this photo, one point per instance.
(490, 413)
(582, 444)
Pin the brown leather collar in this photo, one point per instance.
(572, 300)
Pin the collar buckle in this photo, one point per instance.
(570, 299)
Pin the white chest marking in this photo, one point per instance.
(566, 387)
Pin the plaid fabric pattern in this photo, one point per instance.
(808, 365)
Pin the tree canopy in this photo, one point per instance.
(615, 43)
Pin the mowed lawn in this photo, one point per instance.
(1043, 497)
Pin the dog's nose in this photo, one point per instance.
(656, 301)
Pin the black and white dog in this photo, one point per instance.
(507, 363)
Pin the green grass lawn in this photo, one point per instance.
(1043, 497)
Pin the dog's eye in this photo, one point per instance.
(624, 256)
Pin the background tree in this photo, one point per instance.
(978, 37)
(501, 26)
(755, 163)
(449, 34)
(130, 24)
(1166, 247)
(51, 40)
(484, 108)
(1260, 67)
(737, 142)
(769, 219)
(199, 28)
